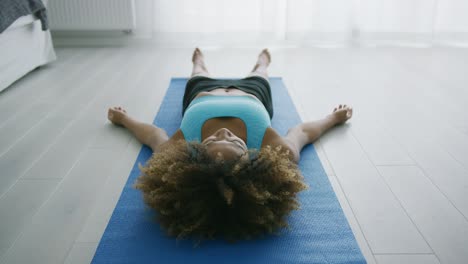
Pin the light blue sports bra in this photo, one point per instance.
(250, 110)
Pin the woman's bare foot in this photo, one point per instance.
(198, 61)
(264, 59)
(116, 115)
(342, 113)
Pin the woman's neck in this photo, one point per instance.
(234, 124)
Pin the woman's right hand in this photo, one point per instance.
(116, 115)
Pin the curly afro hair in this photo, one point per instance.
(201, 197)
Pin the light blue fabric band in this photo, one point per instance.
(248, 109)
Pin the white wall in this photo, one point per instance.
(144, 18)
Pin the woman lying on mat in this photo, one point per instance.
(226, 172)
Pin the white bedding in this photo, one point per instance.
(23, 47)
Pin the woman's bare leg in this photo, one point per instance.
(261, 66)
(147, 134)
(199, 67)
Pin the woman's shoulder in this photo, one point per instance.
(274, 139)
(177, 136)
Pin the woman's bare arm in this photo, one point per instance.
(147, 134)
(306, 133)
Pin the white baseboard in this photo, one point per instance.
(245, 40)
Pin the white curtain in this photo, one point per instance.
(313, 22)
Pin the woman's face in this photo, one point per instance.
(225, 142)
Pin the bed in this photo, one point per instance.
(25, 43)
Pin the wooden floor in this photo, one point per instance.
(399, 168)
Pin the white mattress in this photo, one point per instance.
(23, 47)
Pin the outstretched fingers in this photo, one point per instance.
(116, 115)
(119, 108)
(340, 107)
(342, 113)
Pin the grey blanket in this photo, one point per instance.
(10, 10)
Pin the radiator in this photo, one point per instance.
(92, 14)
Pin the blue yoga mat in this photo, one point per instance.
(318, 233)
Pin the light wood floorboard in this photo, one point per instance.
(407, 259)
(385, 224)
(81, 253)
(19, 205)
(50, 78)
(16, 161)
(442, 225)
(48, 239)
